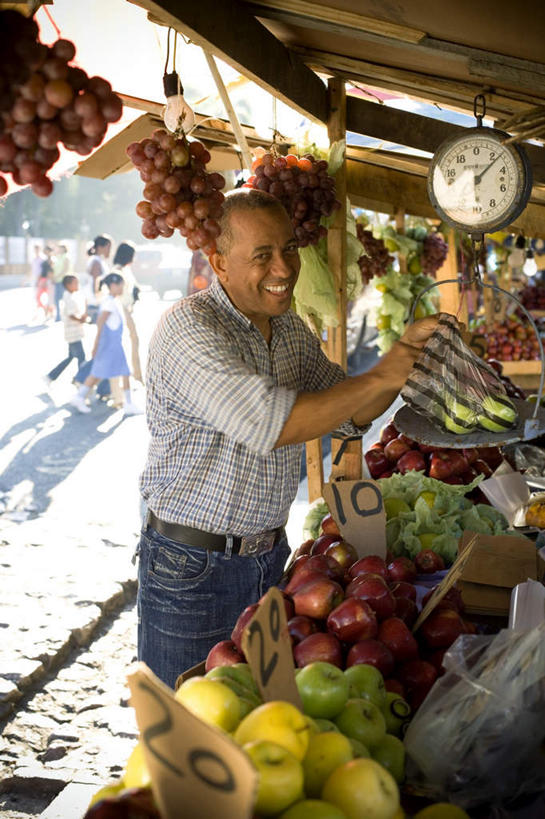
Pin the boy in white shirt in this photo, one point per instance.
(74, 317)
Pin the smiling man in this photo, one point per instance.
(236, 383)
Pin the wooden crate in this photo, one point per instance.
(523, 373)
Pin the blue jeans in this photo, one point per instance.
(59, 292)
(189, 598)
(75, 350)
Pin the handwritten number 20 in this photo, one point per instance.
(266, 668)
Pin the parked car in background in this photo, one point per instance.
(163, 266)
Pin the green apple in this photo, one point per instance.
(210, 700)
(458, 416)
(366, 682)
(427, 539)
(323, 689)
(391, 755)
(325, 725)
(280, 782)
(279, 722)
(106, 792)
(325, 753)
(396, 712)
(393, 507)
(313, 809)
(358, 748)
(239, 688)
(498, 414)
(136, 770)
(246, 705)
(363, 788)
(441, 810)
(362, 720)
(429, 497)
(239, 672)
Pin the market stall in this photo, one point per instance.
(408, 573)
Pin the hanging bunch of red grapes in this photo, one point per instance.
(376, 260)
(44, 102)
(304, 187)
(179, 194)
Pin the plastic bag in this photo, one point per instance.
(476, 738)
(454, 388)
(527, 459)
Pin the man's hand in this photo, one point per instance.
(417, 334)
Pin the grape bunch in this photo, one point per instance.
(45, 101)
(434, 253)
(178, 192)
(303, 186)
(377, 260)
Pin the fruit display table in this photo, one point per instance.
(524, 373)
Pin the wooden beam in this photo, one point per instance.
(415, 131)
(229, 32)
(315, 468)
(334, 20)
(452, 93)
(449, 294)
(336, 237)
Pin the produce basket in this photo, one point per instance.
(531, 418)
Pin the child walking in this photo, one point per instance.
(109, 359)
(74, 318)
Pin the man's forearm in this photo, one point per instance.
(361, 398)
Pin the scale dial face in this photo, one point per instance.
(477, 183)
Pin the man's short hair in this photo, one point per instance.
(67, 279)
(239, 201)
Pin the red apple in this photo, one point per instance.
(370, 564)
(436, 659)
(441, 628)
(319, 563)
(353, 620)
(224, 653)
(393, 685)
(344, 553)
(440, 466)
(407, 440)
(300, 627)
(454, 480)
(371, 652)
(241, 623)
(403, 589)
(491, 455)
(387, 474)
(395, 635)
(417, 676)
(321, 543)
(401, 568)
(482, 468)
(317, 597)
(388, 433)
(301, 579)
(377, 462)
(411, 460)
(406, 610)
(471, 454)
(451, 600)
(319, 647)
(428, 562)
(373, 590)
(304, 548)
(329, 526)
(377, 445)
(469, 475)
(427, 449)
(395, 449)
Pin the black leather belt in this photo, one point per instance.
(251, 545)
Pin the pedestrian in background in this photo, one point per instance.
(108, 356)
(122, 264)
(44, 287)
(61, 268)
(74, 318)
(97, 269)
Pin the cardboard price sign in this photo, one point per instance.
(191, 764)
(267, 646)
(358, 510)
(446, 583)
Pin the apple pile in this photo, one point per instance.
(533, 296)
(510, 340)
(396, 453)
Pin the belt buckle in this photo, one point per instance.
(255, 545)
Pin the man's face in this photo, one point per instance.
(261, 267)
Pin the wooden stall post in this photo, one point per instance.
(449, 294)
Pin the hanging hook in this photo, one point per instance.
(479, 101)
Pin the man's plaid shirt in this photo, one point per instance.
(217, 399)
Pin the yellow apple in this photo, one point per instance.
(107, 791)
(363, 788)
(276, 721)
(429, 497)
(326, 752)
(210, 700)
(280, 776)
(136, 771)
(313, 809)
(390, 753)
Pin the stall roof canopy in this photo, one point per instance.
(444, 52)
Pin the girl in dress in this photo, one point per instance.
(109, 359)
(97, 268)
